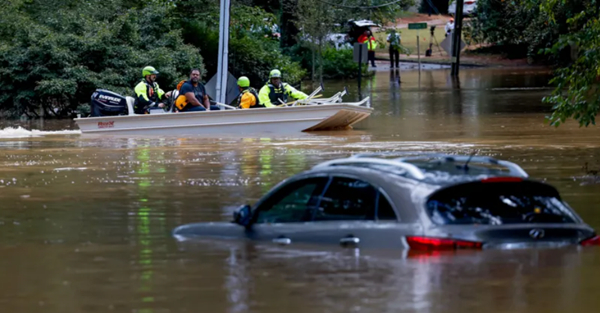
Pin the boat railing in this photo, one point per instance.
(366, 102)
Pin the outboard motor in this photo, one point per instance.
(108, 103)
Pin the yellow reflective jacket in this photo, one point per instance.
(371, 43)
(147, 95)
(269, 95)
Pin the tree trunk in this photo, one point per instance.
(314, 52)
(287, 23)
(321, 60)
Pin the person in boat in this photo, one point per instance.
(148, 93)
(275, 90)
(192, 95)
(248, 98)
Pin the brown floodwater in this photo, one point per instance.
(86, 220)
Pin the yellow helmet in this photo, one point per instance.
(243, 82)
(275, 74)
(149, 70)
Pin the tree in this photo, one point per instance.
(577, 93)
(315, 20)
(51, 61)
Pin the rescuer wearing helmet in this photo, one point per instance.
(248, 97)
(148, 93)
(274, 90)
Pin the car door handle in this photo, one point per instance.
(350, 241)
(282, 240)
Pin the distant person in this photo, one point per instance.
(274, 90)
(192, 95)
(394, 39)
(148, 93)
(362, 38)
(248, 98)
(449, 27)
(368, 39)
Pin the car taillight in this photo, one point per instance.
(428, 243)
(469, 2)
(593, 241)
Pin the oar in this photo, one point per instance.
(292, 102)
(225, 105)
(312, 95)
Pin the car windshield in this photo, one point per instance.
(497, 204)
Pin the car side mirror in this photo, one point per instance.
(242, 215)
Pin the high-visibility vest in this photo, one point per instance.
(371, 43)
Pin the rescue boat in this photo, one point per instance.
(113, 114)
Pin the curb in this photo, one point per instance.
(425, 61)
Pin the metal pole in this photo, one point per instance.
(360, 65)
(222, 66)
(456, 34)
(419, 51)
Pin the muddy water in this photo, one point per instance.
(86, 221)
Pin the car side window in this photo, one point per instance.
(292, 203)
(347, 199)
(385, 211)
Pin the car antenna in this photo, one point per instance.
(466, 166)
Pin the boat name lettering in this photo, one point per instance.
(115, 99)
(110, 124)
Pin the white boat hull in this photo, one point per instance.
(256, 121)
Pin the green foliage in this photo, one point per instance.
(336, 63)
(52, 61)
(518, 28)
(339, 63)
(577, 93)
(522, 27)
(565, 32)
(252, 51)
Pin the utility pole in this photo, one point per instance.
(223, 61)
(456, 37)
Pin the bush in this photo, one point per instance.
(336, 63)
(339, 63)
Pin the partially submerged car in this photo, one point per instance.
(431, 202)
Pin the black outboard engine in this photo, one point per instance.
(108, 103)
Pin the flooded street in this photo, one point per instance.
(86, 220)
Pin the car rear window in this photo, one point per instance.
(498, 203)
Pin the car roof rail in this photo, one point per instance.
(513, 169)
(417, 172)
(411, 169)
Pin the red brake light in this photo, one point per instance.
(428, 243)
(593, 241)
(469, 2)
(502, 180)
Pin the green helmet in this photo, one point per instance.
(149, 70)
(275, 74)
(243, 82)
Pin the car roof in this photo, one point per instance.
(433, 169)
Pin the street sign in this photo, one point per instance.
(417, 26)
(363, 55)
(446, 44)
